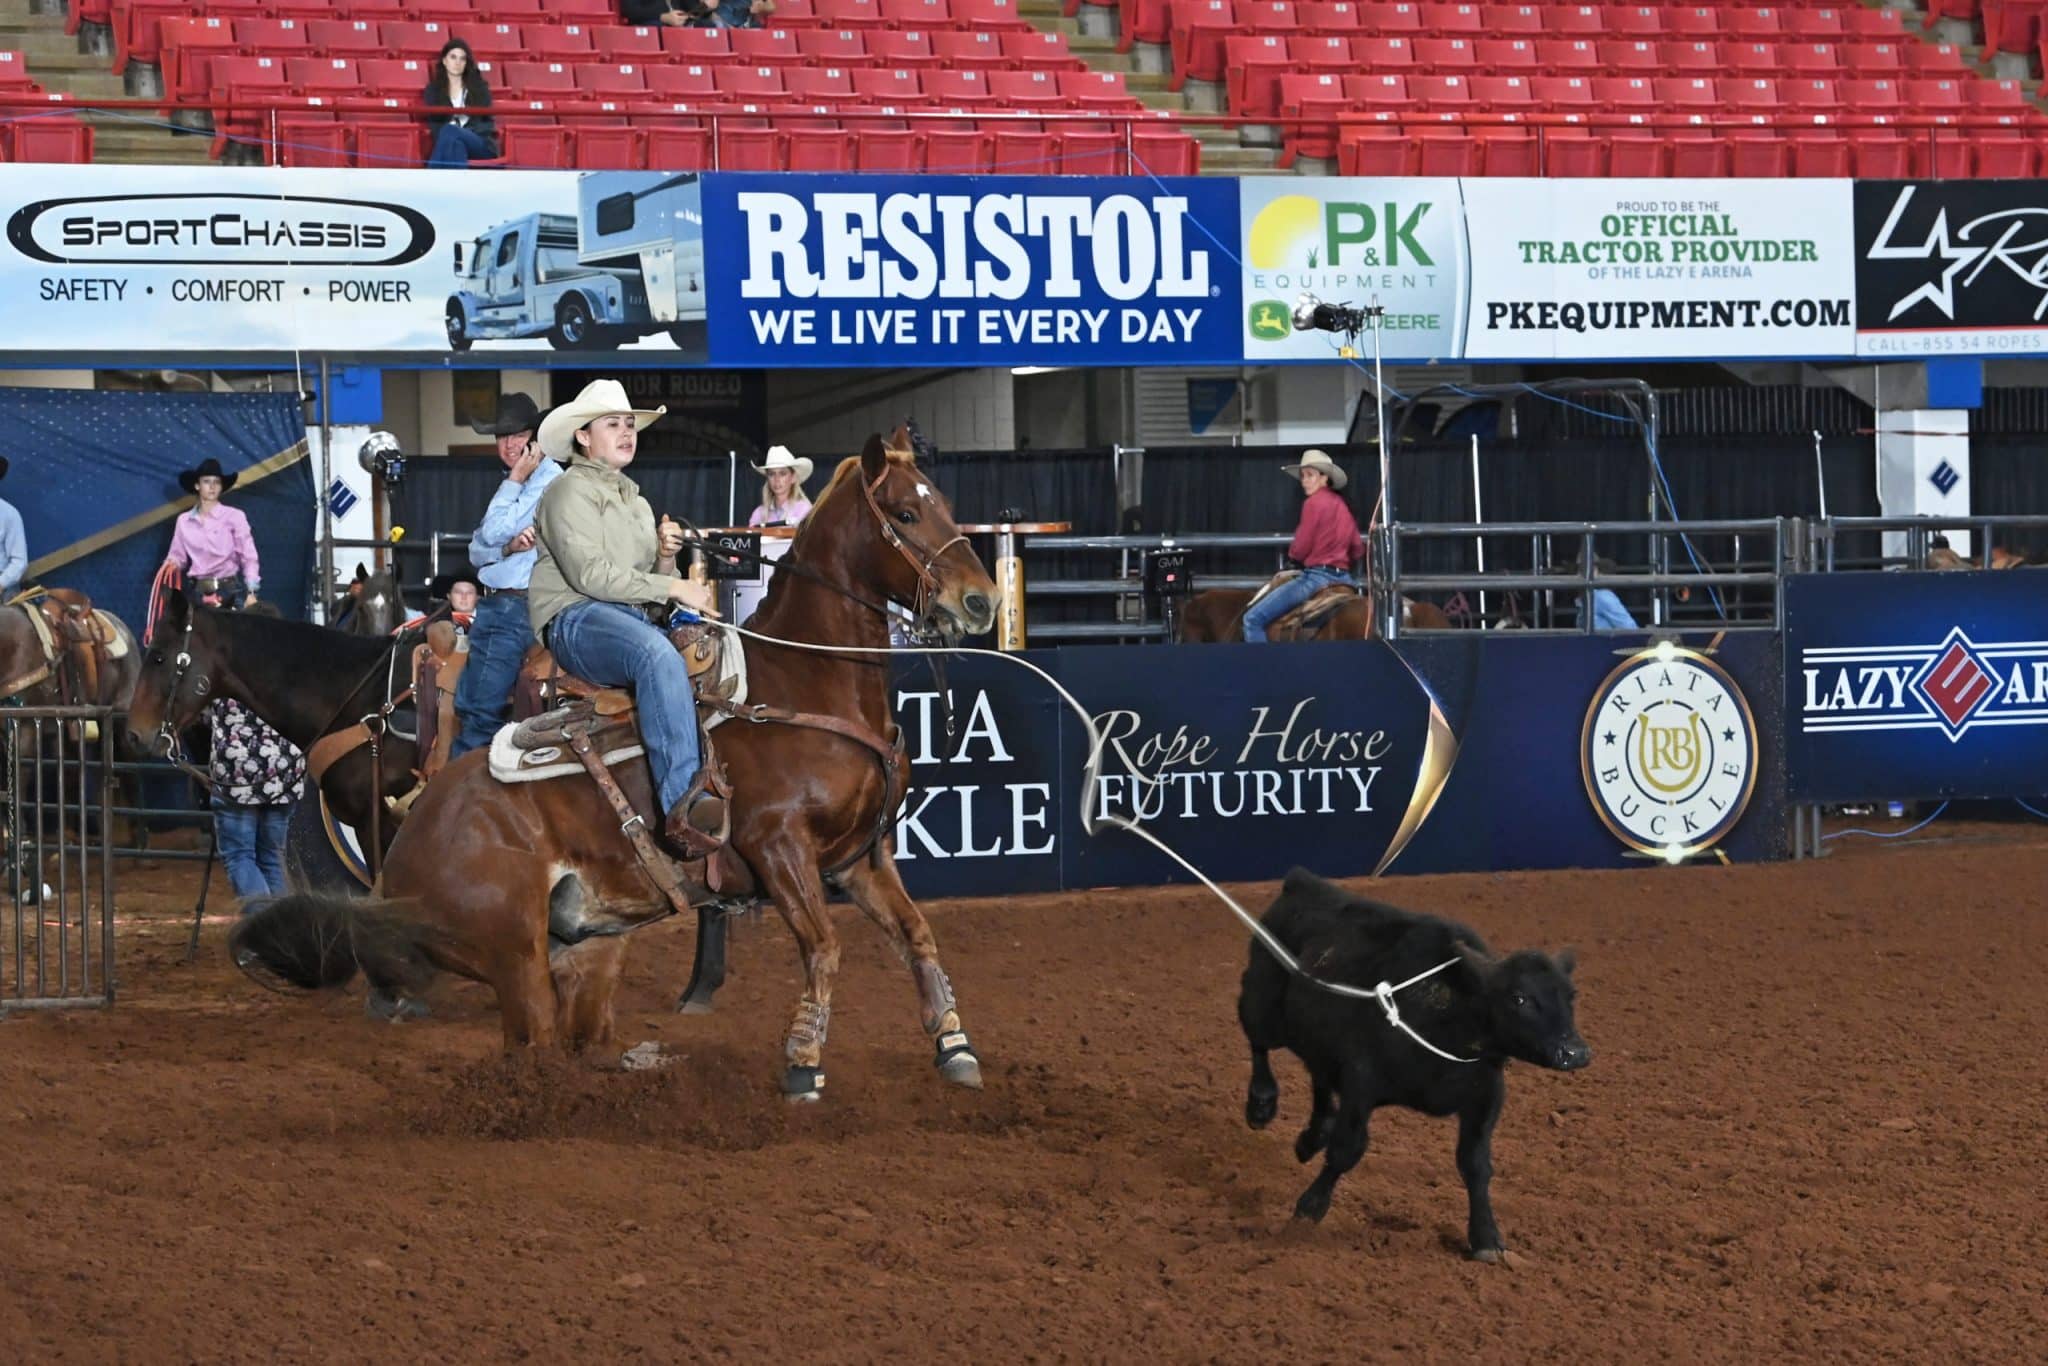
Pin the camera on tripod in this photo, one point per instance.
(1313, 315)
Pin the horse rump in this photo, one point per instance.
(313, 941)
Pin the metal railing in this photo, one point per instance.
(1134, 607)
(57, 938)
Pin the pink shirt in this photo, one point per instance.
(789, 514)
(217, 546)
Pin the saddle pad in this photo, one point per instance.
(117, 643)
(509, 765)
(42, 629)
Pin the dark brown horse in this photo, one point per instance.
(306, 681)
(1218, 615)
(531, 887)
(372, 606)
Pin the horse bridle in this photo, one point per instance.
(174, 746)
(928, 585)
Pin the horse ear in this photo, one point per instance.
(874, 459)
(362, 571)
(899, 440)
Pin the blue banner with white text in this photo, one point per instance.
(1916, 686)
(866, 270)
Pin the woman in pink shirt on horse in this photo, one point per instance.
(212, 544)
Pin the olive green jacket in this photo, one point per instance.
(597, 542)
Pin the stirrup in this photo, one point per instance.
(701, 820)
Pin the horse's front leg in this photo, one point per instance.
(790, 876)
(879, 892)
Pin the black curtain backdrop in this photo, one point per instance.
(2009, 477)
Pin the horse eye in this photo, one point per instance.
(1521, 1001)
(907, 517)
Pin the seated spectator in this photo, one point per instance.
(669, 13)
(1608, 612)
(459, 137)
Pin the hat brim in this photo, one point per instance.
(502, 428)
(557, 433)
(803, 468)
(1334, 473)
(189, 479)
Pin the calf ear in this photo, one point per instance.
(1475, 959)
(1566, 960)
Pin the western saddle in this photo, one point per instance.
(1303, 621)
(80, 645)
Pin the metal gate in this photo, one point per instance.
(56, 858)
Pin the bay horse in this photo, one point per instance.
(532, 887)
(22, 657)
(1218, 615)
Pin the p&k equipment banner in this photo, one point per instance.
(1910, 686)
(835, 270)
(1951, 267)
(1597, 269)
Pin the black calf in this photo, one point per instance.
(1481, 1008)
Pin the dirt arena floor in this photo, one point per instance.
(1812, 1128)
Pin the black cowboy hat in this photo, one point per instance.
(516, 413)
(443, 584)
(189, 479)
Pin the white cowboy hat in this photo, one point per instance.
(599, 398)
(1320, 460)
(779, 458)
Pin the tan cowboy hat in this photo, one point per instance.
(1320, 460)
(779, 458)
(599, 398)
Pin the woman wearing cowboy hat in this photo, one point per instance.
(212, 544)
(603, 562)
(783, 500)
(1326, 544)
(13, 544)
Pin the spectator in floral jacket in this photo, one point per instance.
(258, 776)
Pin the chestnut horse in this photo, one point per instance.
(531, 887)
(1218, 615)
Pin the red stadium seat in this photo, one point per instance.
(1759, 22)
(385, 143)
(1505, 55)
(851, 14)
(1827, 156)
(957, 87)
(833, 46)
(819, 85)
(678, 148)
(1034, 49)
(310, 139)
(1880, 156)
(1091, 153)
(928, 16)
(1454, 19)
(894, 86)
(1026, 89)
(988, 15)
(1446, 153)
(398, 76)
(1809, 96)
(331, 76)
(532, 80)
(568, 43)
(347, 38)
(62, 138)
(1578, 21)
(629, 42)
(611, 79)
(1374, 152)
(1515, 20)
(608, 149)
(964, 51)
(1635, 21)
(954, 151)
(188, 49)
(1697, 21)
(1871, 59)
(1641, 57)
(1509, 152)
(1165, 154)
(1446, 54)
(1570, 56)
(887, 149)
(1020, 151)
(1752, 58)
(753, 84)
(766, 46)
(817, 149)
(2003, 157)
(1199, 28)
(414, 38)
(893, 49)
(710, 45)
(681, 81)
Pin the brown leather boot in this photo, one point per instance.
(701, 820)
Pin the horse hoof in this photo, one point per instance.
(691, 1005)
(956, 1061)
(803, 1085)
(645, 1057)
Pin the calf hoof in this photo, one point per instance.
(1313, 1205)
(956, 1061)
(803, 1085)
(1309, 1144)
(379, 1005)
(1260, 1107)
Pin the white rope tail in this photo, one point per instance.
(1092, 821)
(1384, 994)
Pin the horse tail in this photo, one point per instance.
(315, 941)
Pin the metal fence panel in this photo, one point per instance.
(56, 857)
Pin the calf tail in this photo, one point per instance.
(313, 941)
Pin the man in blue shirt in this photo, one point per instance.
(502, 551)
(1608, 612)
(13, 544)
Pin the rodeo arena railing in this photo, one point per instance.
(647, 132)
(56, 838)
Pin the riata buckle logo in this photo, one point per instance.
(1668, 752)
(1953, 686)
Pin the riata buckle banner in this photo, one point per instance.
(1916, 686)
(1654, 268)
(1951, 267)
(971, 270)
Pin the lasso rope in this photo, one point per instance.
(1091, 822)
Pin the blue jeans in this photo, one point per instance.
(1289, 596)
(614, 646)
(455, 145)
(251, 844)
(499, 637)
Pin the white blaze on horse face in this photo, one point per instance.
(924, 493)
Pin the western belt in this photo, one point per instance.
(515, 592)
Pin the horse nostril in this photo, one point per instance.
(977, 606)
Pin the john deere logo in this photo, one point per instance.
(1669, 752)
(1270, 321)
(1295, 232)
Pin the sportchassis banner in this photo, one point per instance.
(648, 268)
